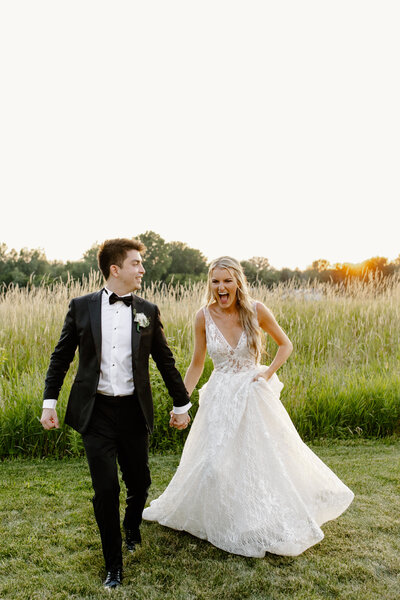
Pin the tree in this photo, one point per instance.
(19, 267)
(378, 265)
(286, 274)
(250, 270)
(156, 256)
(186, 260)
(260, 262)
(90, 257)
(33, 262)
(320, 265)
(259, 270)
(3, 252)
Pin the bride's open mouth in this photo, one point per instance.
(223, 297)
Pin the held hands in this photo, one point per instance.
(179, 421)
(49, 418)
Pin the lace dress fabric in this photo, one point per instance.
(246, 482)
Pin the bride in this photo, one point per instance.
(246, 482)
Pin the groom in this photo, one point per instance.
(110, 402)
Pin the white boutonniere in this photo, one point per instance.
(141, 320)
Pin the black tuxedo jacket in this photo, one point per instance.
(82, 329)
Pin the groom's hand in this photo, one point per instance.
(179, 421)
(49, 418)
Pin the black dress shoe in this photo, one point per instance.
(113, 579)
(132, 539)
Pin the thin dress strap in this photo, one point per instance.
(206, 313)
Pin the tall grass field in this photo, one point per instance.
(341, 381)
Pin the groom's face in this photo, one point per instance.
(132, 270)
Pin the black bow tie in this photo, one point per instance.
(125, 299)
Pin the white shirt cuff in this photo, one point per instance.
(179, 410)
(49, 403)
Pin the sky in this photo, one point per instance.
(247, 128)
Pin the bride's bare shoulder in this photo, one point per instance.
(263, 312)
(200, 317)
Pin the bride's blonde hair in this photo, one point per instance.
(247, 313)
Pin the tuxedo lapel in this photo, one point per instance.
(136, 331)
(95, 321)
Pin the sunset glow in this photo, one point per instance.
(262, 129)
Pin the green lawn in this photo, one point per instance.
(50, 548)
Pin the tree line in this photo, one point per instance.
(176, 263)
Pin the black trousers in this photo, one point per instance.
(117, 433)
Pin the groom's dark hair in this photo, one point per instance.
(113, 252)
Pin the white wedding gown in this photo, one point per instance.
(246, 482)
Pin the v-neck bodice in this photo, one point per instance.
(226, 358)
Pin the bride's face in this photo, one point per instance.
(224, 287)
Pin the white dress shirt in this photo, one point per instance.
(116, 376)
